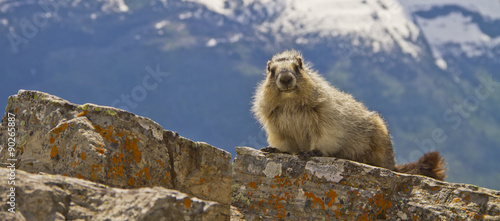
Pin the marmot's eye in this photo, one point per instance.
(296, 69)
(273, 71)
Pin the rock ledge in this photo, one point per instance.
(281, 186)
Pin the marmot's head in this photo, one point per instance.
(285, 70)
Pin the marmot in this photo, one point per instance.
(303, 114)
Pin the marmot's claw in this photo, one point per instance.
(270, 149)
(308, 154)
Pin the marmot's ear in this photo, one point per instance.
(301, 63)
(269, 66)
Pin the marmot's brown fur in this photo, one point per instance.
(303, 114)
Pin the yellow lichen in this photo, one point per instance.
(111, 112)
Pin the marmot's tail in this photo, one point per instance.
(430, 164)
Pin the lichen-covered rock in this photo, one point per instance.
(109, 146)
(55, 197)
(281, 186)
(200, 169)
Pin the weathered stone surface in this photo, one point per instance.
(55, 197)
(200, 169)
(281, 186)
(110, 146)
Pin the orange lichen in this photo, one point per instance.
(74, 147)
(332, 195)
(282, 182)
(260, 205)
(365, 217)
(131, 145)
(315, 200)
(381, 202)
(289, 196)
(144, 172)
(80, 176)
(131, 181)
(435, 188)
(54, 151)
(60, 129)
(275, 202)
(15, 110)
(337, 211)
(100, 150)
(52, 140)
(202, 180)
(95, 168)
(301, 180)
(467, 198)
(167, 177)
(187, 203)
(116, 170)
(117, 158)
(83, 156)
(253, 185)
(107, 133)
(161, 163)
(83, 113)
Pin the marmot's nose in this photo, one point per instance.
(286, 79)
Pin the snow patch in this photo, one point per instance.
(161, 24)
(114, 6)
(382, 24)
(212, 42)
(214, 5)
(441, 63)
(456, 29)
(488, 8)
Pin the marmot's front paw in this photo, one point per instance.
(270, 149)
(308, 154)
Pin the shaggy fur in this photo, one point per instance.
(303, 114)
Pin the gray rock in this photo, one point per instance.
(281, 186)
(55, 197)
(119, 156)
(110, 146)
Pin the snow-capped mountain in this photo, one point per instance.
(453, 27)
(380, 25)
(457, 27)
